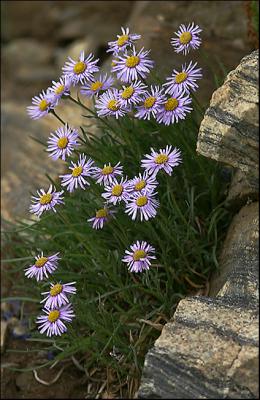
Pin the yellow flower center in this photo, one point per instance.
(79, 67)
(117, 190)
(181, 77)
(112, 105)
(62, 142)
(77, 171)
(56, 289)
(161, 159)
(59, 89)
(53, 315)
(127, 93)
(43, 105)
(141, 201)
(139, 254)
(185, 37)
(149, 102)
(41, 262)
(140, 185)
(46, 198)
(171, 104)
(107, 170)
(132, 61)
(102, 213)
(122, 40)
(96, 85)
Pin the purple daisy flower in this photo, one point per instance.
(131, 67)
(42, 104)
(57, 295)
(60, 88)
(42, 267)
(143, 182)
(138, 259)
(46, 201)
(165, 159)
(123, 41)
(151, 103)
(52, 321)
(187, 38)
(104, 82)
(101, 217)
(143, 205)
(108, 104)
(79, 170)
(81, 70)
(184, 80)
(116, 192)
(174, 108)
(131, 94)
(107, 174)
(61, 143)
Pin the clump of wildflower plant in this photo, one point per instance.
(138, 195)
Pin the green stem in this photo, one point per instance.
(56, 115)
(91, 112)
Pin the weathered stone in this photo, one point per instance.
(204, 353)
(4, 326)
(73, 50)
(243, 188)
(26, 52)
(24, 161)
(229, 131)
(238, 277)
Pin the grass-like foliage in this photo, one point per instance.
(118, 313)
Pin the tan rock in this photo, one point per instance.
(4, 327)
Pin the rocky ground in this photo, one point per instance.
(36, 39)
